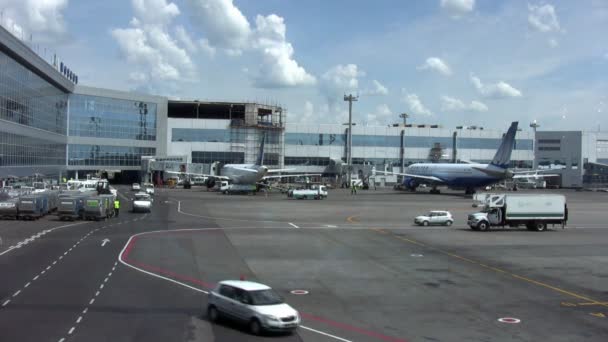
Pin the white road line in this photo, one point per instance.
(110, 274)
(85, 310)
(79, 319)
(96, 293)
(55, 262)
(92, 301)
(101, 286)
(35, 278)
(43, 271)
(48, 267)
(60, 257)
(293, 225)
(325, 334)
(105, 280)
(26, 285)
(197, 289)
(113, 268)
(6, 303)
(44, 232)
(71, 330)
(62, 339)
(16, 293)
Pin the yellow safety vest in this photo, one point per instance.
(116, 204)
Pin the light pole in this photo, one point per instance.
(404, 116)
(534, 126)
(349, 155)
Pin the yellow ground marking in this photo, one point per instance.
(498, 270)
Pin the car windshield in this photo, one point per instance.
(142, 198)
(265, 297)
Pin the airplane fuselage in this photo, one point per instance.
(456, 176)
(244, 173)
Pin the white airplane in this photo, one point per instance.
(246, 174)
(470, 176)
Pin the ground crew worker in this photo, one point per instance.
(116, 207)
(353, 189)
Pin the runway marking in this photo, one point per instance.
(85, 310)
(498, 270)
(37, 236)
(79, 319)
(128, 247)
(101, 286)
(6, 303)
(105, 280)
(61, 340)
(71, 330)
(593, 303)
(28, 284)
(293, 225)
(96, 293)
(598, 314)
(352, 220)
(92, 301)
(35, 278)
(325, 334)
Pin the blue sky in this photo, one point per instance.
(450, 62)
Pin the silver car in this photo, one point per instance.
(435, 217)
(142, 202)
(256, 304)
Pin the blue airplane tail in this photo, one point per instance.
(503, 154)
(260, 160)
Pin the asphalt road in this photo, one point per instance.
(369, 274)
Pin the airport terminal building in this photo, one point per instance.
(51, 125)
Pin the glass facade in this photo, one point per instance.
(18, 150)
(102, 155)
(216, 135)
(316, 161)
(322, 139)
(207, 157)
(103, 117)
(27, 99)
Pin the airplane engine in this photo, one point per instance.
(411, 183)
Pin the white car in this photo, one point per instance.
(435, 217)
(254, 303)
(142, 202)
(150, 191)
(135, 187)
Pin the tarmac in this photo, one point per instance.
(354, 266)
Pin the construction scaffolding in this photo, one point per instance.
(246, 134)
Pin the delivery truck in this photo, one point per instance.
(534, 211)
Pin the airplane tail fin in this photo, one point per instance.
(260, 160)
(503, 154)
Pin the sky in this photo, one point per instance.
(446, 62)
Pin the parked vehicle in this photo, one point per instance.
(319, 193)
(32, 206)
(435, 217)
(135, 187)
(229, 188)
(98, 207)
(256, 304)
(535, 211)
(71, 208)
(9, 208)
(150, 191)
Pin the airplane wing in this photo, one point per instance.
(286, 176)
(420, 177)
(279, 170)
(534, 176)
(197, 174)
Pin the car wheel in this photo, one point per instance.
(212, 313)
(448, 223)
(255, 327)
(482, 225)
(425, 223)
(540, 226)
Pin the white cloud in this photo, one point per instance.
(436, 64)
(380, 116)
(278, 68)
(379, 89)
(206, 47)
(553, 43)
(415, 105)
(43, 20)
(457, 8)
(148, 44)
(496, 90)
(543, 18)
(453, 104)
(184, 37)
(154, 12)
(224, 24)
(341, 79)
(308, 113)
